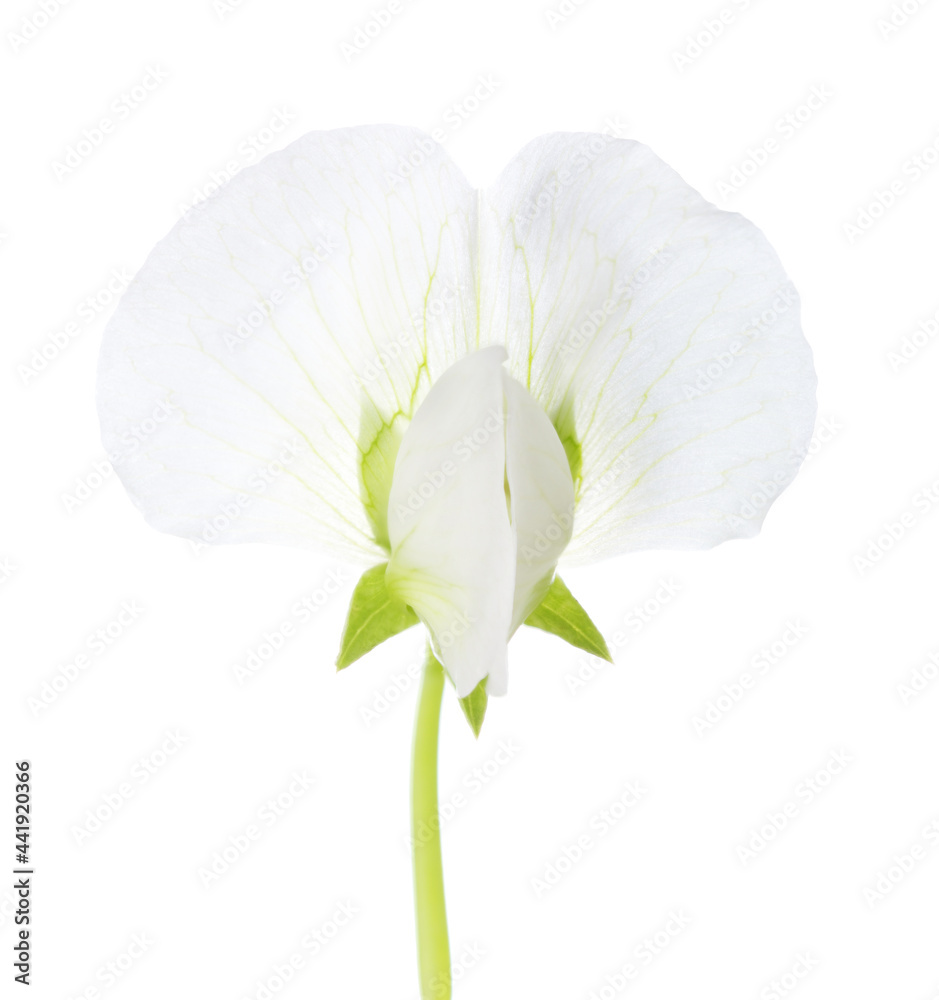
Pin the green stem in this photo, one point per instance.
(433, 944)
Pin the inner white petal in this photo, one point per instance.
(542, 493)
(480, 508)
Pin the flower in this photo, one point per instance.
(366, 356)
(479, 475)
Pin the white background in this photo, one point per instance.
(834, 691)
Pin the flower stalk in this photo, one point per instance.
(433, 943)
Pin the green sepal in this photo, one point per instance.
(374, 616)
(474, 706)
(563, 421)
(379, 441)
(561, 614)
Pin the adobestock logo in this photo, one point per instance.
(735, 690)
(267, 816)
(434, 311)
(924, 334)
(121, 107)
(276, 637)
(247, 152)
(707, 33)
(228, 512)
(623, 290)
(96, 644)
(31, 25)
(464, 449)
(87, 311)
(898, 17)
(373, 26)
(456, 115)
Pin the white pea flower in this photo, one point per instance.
(368, 357)
(460, 389)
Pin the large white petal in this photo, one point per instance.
(453, 550)
(614, 286)
(362, 287)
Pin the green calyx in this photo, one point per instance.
(474, 707)
(561, 614)
(376, 615)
